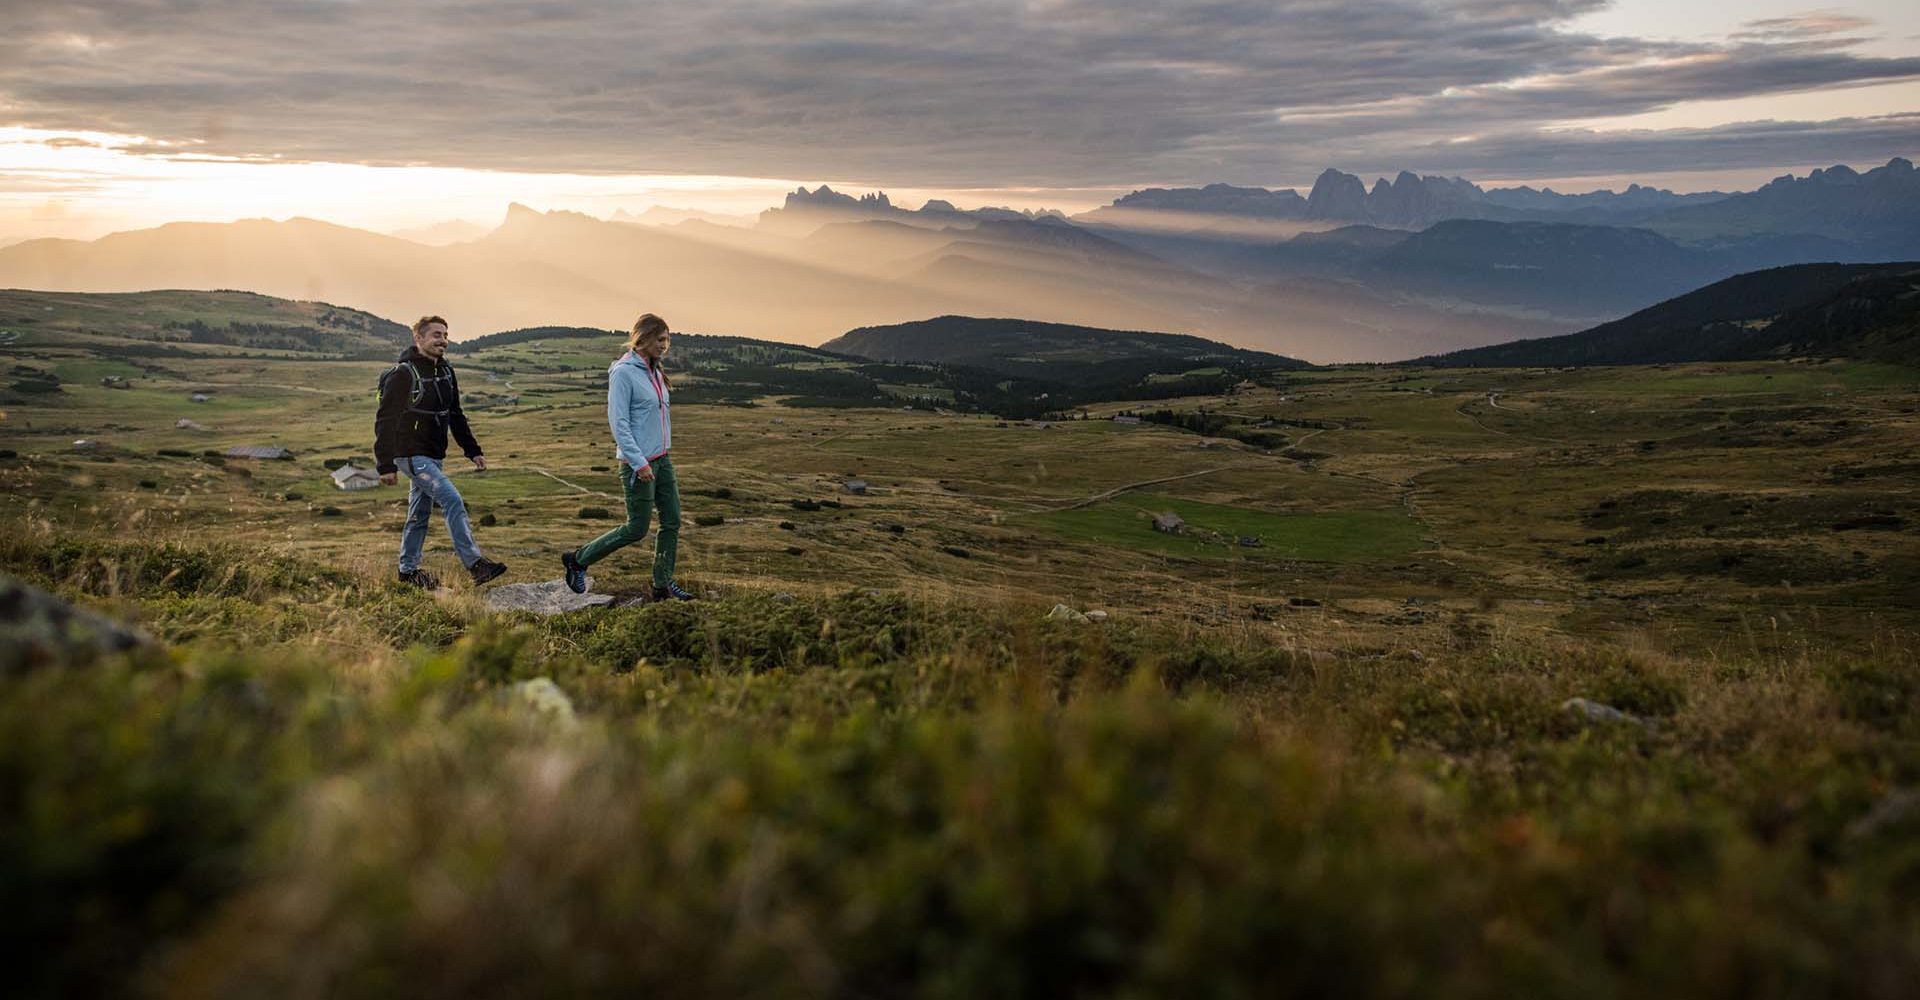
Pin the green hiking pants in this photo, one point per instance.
(642, 496)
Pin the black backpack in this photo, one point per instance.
(418, 391)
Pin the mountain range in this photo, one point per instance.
(1416, 266)
(1409, 201)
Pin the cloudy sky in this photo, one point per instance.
(389, 113)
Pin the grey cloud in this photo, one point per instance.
(968, 92)
(1807, 25)
(1868, 141)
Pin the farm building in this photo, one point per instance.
(201, 397)
(188, 425)
(1125, 419)
(1169, 523)
(353, 477)
(258, 451)
(857, 487)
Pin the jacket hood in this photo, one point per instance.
(630, 358)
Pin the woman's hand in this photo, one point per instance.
(644, 474)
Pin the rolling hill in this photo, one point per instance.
(1868, 311)
(229, 319)
(1056, 351)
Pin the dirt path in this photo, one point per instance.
(1462, 410)
(571, 486)
(1108, 495)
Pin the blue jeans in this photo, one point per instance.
(428, 485)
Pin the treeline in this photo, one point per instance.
(288, 337)
(1207, 423)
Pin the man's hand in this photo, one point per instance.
(645, 474)
(480, 462)
(389, 478)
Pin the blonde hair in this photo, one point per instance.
(647, 329)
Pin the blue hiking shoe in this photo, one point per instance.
(671, 591)
(576, 573)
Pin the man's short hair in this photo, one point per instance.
(420, 325)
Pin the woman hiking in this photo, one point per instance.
(638, 412)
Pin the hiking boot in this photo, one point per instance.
(484, 569)
(420, 578)
(576, 573)
(671, 591)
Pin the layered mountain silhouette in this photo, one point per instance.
(1416, 265)
(1878, 210)
(1869, 311)
(806, 210)
(1409, 201)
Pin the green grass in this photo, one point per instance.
(1794, 379)
(329, 785)
(917, 391)
(1214, 530)
(1162, 377)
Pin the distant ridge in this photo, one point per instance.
(170, 321)
(1019, 345)
(1408, 201)
(1869, 311)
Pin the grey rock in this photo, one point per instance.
(549, 598)
(1096, 616)
(38, 629)
(1062, 613)
(1594, 711)
(783, 598)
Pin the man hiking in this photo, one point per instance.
(419, 403)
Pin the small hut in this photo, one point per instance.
(259, 451)
(353, 477)
(1170, 523)
(857, 487)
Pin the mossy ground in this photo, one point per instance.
(872, 769)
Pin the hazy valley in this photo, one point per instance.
(1417, 267)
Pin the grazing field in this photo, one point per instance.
(1337, 760)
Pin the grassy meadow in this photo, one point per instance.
(1336, 761)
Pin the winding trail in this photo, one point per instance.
(1097, 497)
(571, 486)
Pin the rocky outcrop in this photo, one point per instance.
(38, 629)
(549, 598)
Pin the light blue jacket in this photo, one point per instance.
(638, 411)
